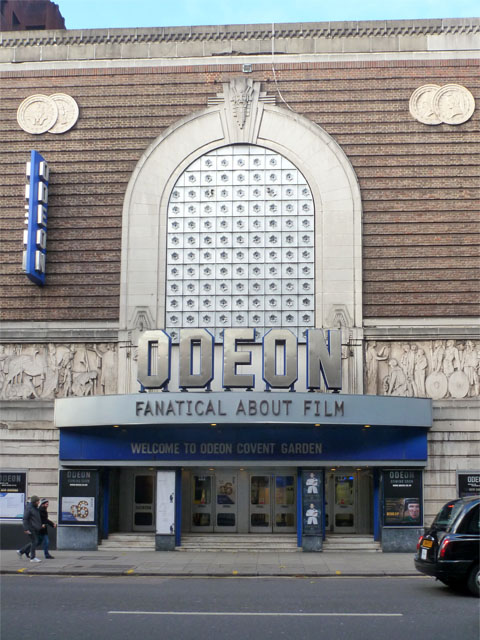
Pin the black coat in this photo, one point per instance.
(44, 519)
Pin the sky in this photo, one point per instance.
(103, 14)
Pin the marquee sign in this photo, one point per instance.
(35, 235)
(241, 408)
(279, 359)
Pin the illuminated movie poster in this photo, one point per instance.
(312, 499)
(12, 494)
(78, 496)
(402, 497)
(78, 509)
(468, 484)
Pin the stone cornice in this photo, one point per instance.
(377, 28)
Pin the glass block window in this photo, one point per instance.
(240, 244)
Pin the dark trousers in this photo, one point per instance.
(31, 546)
(43, 543)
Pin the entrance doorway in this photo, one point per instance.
(272, 503)
(240, 501)
(214, 502)
(348, 501)
(143, 502)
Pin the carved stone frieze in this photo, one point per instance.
(46, 371)
(425, 369)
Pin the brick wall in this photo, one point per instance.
(419, 183)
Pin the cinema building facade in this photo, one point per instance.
(248, 302)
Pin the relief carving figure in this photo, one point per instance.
(108, 381)
(51, 376)
(433, 369)
(421, 365)
(450, 358)
(372, 358)
(25, 375)
(437, 356)
(471, 364)
(395, 384)
(407, 363)
(66, 371)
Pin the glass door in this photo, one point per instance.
(284, 504)
(226, 503)
(260, 516)
(344, 503)
(202, 519)
(144, 502)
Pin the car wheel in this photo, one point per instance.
(474, 581)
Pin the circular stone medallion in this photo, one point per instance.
(454, 104)
(67, 112)
(37, 114)
(458, 384)
(421, 104)
(436, 385)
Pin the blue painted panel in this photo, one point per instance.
(243, 443)
(35, 252)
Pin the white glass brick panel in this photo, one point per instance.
(289, 271)
(256, 270)
(305, 270)
(175, 288)
(256, 209)
(223, 319)
(223, 271)
(174, 256)
(290, 286)
(256, 302)
(240, 271)
(189, 319)
(175, 225)
(190, 287)
(273, 318)
(289, 319)
(174, 303)
(272, 255)
(175, 272)
(289, 255)
(240, 319)
(256, 256)
(256, 287)
(224, 224)
(175, 241)
(239, 255)
(190, 303)
(273, 271)
(207, 319)
(223, 287)
(256, 319)
(190, 271)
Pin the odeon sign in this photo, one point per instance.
(279, 355)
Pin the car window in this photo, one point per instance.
(471, 524)
(447, 516)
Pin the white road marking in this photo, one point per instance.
(244, 613)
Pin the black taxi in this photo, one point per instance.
(449, 549)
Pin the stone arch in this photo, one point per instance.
(250, 119)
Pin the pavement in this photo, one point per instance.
(207, 563)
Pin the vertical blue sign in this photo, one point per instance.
(35, 235)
